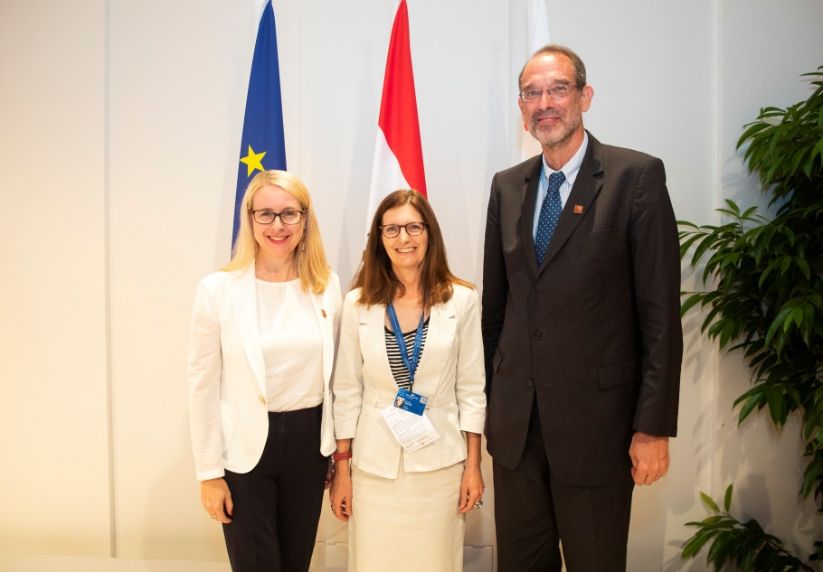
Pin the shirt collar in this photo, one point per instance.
(572, 166)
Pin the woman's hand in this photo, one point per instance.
(471, 487)
(216, 499)
(341, 491)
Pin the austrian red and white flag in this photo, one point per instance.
(398, 154)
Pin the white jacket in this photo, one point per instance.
(227, 376)
(450, 373)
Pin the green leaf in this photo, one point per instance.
(752, 128)
(727, 500)
(685, 245)
(751, 403)
(777, 406)
(690, 301)
(720, 550)
(748, 212)
(695, 544)
(709, 502)
(703, 245)
(735, 210)
(777, 323)
(818, 149)
(803, 265)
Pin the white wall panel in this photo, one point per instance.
(178, 85)
(53, 409)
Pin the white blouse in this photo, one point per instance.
(292, 346)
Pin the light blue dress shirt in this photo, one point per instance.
(570, 170)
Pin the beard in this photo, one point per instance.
(557, 134)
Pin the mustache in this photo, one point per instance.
(541, 113)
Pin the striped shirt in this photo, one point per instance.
(398, 368)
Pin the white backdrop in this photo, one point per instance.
(119, 135)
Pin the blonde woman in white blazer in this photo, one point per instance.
(405, 506)
(261, 354)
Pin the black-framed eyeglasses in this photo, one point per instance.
(556, 92)
(287, 216)
(412, 229)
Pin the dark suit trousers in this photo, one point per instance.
(534, 514)
(277, 504)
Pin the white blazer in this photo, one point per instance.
(227, 374)
(450, 373)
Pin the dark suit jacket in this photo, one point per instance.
(594, 333)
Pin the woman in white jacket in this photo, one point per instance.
(261, 353)
(409, 398)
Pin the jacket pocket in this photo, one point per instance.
(616, 374)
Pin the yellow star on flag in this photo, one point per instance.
(253, 161)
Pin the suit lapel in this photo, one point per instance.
(442, 324)
(528, 196)
(374, 342)
(585, 189)
(244, 306)
(323, 314)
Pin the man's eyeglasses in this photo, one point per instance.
(412, 229)
(556, 92)
(268, 216)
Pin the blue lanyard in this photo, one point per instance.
(411, 364)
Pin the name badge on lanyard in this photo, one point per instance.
(406, 417)
(408, 400)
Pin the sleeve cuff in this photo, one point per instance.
(210, 474)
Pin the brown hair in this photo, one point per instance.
(375, 277)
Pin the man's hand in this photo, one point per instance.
(650, 458)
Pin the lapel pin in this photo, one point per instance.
(578, 209)
(322, 312)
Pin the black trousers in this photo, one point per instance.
(277, 504)
(534, 514)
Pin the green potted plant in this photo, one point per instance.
(767, 302)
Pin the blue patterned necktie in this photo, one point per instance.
(549, 215)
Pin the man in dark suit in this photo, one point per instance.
(581, 329)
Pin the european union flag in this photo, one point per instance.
(263, 146)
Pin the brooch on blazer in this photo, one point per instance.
(322, 312)
(578, 209)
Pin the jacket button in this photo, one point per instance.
(537, 335)
(262, 400)
(531, 382)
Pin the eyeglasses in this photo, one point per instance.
(412, 229)
(556, 92)
(268, 216)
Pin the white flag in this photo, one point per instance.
(537, 36)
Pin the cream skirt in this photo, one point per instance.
(407, 524)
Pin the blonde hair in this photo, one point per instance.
(312, 267)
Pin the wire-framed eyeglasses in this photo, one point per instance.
(556, 92)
